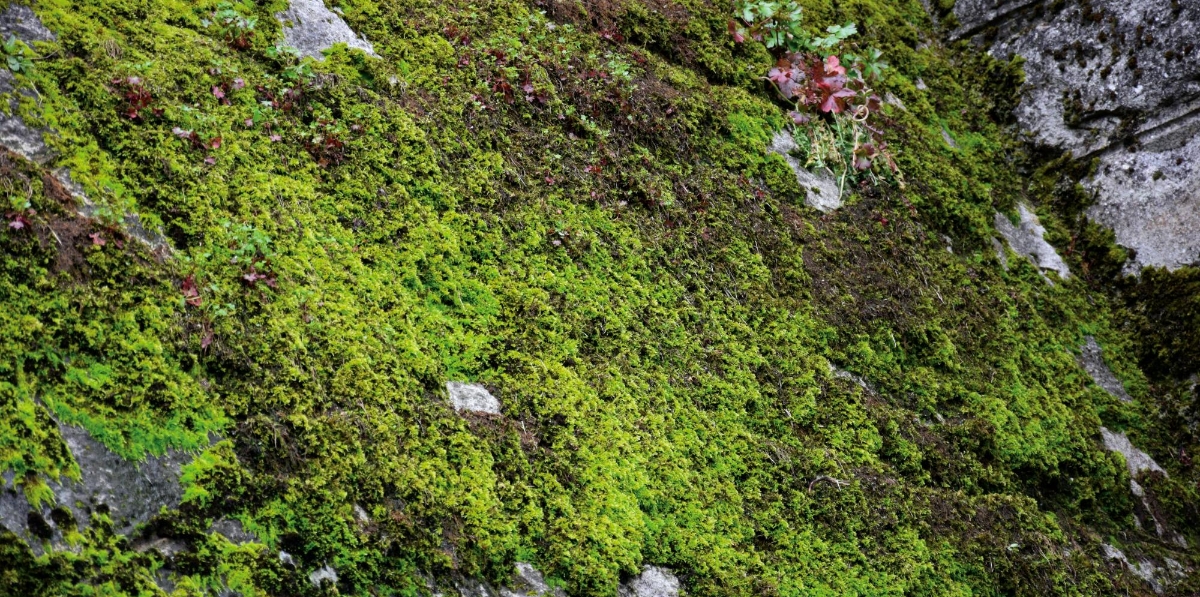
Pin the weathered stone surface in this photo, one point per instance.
(20, 22)
(309, 26)
(323, 574)
(821, 189)
(1119, 81)
(470, 587)
(232, 530)
(1151, 201)
(1158, 577)
(1091, 358)
(1135, 459)
(1028, 238)
(132, 492)
(472, 397)
(529, 582)
(652, 582)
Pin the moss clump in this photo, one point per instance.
(590, 227)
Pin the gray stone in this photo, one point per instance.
(29, 142)
(1151, 201)
(23, 139)
(1144, 569)
(1137, 460)
(472, 397)
(471, 587)
(1091, 358)
(309, 26)
(233, 531)
(1098, 76)
(133, 492)
(1028, 239)
(361, 515)
(324, 573)
(286, 559)
(821, 188)
(652, 582)
(1001, 254)
(529, 582)
(21, 22)
(950, 142)
(840, 373)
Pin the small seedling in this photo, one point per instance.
(15, 55)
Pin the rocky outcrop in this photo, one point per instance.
(1091, 358)
(1139, 462)
(529, 582)
(20, 22)
(309, 26)
(1027, 238)
(652, 582)
(1136, 460)
(30, 142)
(472, 398)
(130, 492)
(1119, 81)
(1158, 577)
(821, 188)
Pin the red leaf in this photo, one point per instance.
(206, 339)
(215, 142)
(17, 221)
(217, 93)
(737, 32)
(833, 66)
(97, 240)
(191, 294)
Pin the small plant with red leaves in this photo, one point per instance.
(19, 220)
(198, 130)
(135, 98)
(834, 104)
(231, 26)
(327, 142)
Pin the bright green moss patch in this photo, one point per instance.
(591, 228)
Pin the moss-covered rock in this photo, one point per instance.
(573, 205)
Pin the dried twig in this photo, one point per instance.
(836, 482)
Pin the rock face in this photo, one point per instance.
(20, 22)
(1028, 239)
(821, 189)
(652, 582)
(323, 574)
(312, 28)
(1135, 459)
(529, 582)
(132, 492)
(1091, 358)
(1119, 81)
(1138, 462)
(1151, 200)
(1158, 577)
(472, 398)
